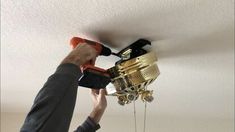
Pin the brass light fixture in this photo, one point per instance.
(133, 73)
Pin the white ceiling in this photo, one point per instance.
(193, 40)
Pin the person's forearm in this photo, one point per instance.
(88, 126)
(100, 104)
(53, 106)
(96, 115)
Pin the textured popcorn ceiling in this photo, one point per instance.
(193, 40)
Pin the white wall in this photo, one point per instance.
(11, 122)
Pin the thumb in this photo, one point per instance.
(102, 92)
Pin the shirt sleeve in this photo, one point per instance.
(88, 126)
(53, 106)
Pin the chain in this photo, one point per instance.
(145, 107)
(135, 116)
(145, 111)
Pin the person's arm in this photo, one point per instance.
(53, 106)
(100, 103)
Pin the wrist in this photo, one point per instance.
(99, 107)
(96, 115)
(73, 60)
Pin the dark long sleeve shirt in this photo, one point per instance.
(53, 106)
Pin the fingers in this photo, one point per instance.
(98, 93)
(84, 53)
(89, 50)
(99, 99)
(93, 61)
(102, 92)
(93, 94)
(102, 98)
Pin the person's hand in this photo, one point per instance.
(100, 104)
(81, 54)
